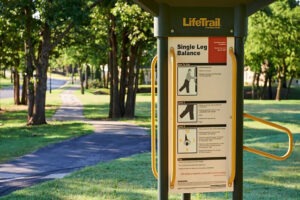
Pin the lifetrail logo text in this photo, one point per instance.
(201, 22)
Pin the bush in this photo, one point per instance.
(95, 84)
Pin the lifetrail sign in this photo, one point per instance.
(202, 114)
(197, 44)
(198, 21)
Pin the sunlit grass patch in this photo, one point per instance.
(131, 178)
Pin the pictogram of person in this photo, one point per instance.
(187, 142)
(186, 84)
(188, 109)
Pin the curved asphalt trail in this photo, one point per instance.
(109, 141)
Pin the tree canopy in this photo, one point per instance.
(35, 31)
(274, 34)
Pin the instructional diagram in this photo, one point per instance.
(187, 81)
(187, 140)
(187, 112)
(203, 114)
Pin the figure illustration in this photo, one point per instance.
(188, 109)
(186, 84)
(187, 142)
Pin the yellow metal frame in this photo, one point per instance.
(153, 124)
(153, 130)
(233, 149)
(269, 155)
(174, 91)
(233, 137)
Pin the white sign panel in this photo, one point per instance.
(202, 114)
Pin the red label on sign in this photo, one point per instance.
(217, 50)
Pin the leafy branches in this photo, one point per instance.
(273, 36)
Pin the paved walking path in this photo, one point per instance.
(8, 92)
(109, 141)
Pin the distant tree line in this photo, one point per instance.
(272, 48)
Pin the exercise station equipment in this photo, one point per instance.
(200, 53)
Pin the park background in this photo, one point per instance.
(107, 47)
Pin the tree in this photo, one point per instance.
(133, 27)
(119, 33)
(274, 35)
(46, 25)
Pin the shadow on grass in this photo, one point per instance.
(263, 191)
(126, 178)
(266, 138)
(96, 112)
(280, 111)
(19, 140)
(267, 179)
(273, 142)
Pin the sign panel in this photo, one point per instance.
(201, 21)
(201, 117)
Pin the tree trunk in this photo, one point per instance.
(124, 69)
(111, 91)
(136, 83)
(92, 72)
(30, 97)
(39, 114)
(114, 79)
(24, 90)
(253, 86)
(99, 76)
(258, 89)
(29, 62)
(264, 88)
(289, 86)
(130, 102)
(86, 76)
(72, 73)
(284, 85)
(270, 91)
(278, 96)
(81, 78)
(105, 85)
(16, 81)
(11, 74)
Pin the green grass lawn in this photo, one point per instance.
(97, 107)
(131, 178)
(17, 139)
(5, 82)
(265, 178)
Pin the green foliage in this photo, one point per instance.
(141, 77)
(95, 84)
(10, 51)
(57, 13)
(138, 22)
(274, 35)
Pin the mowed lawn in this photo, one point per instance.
(131, 178)
(17, 139)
